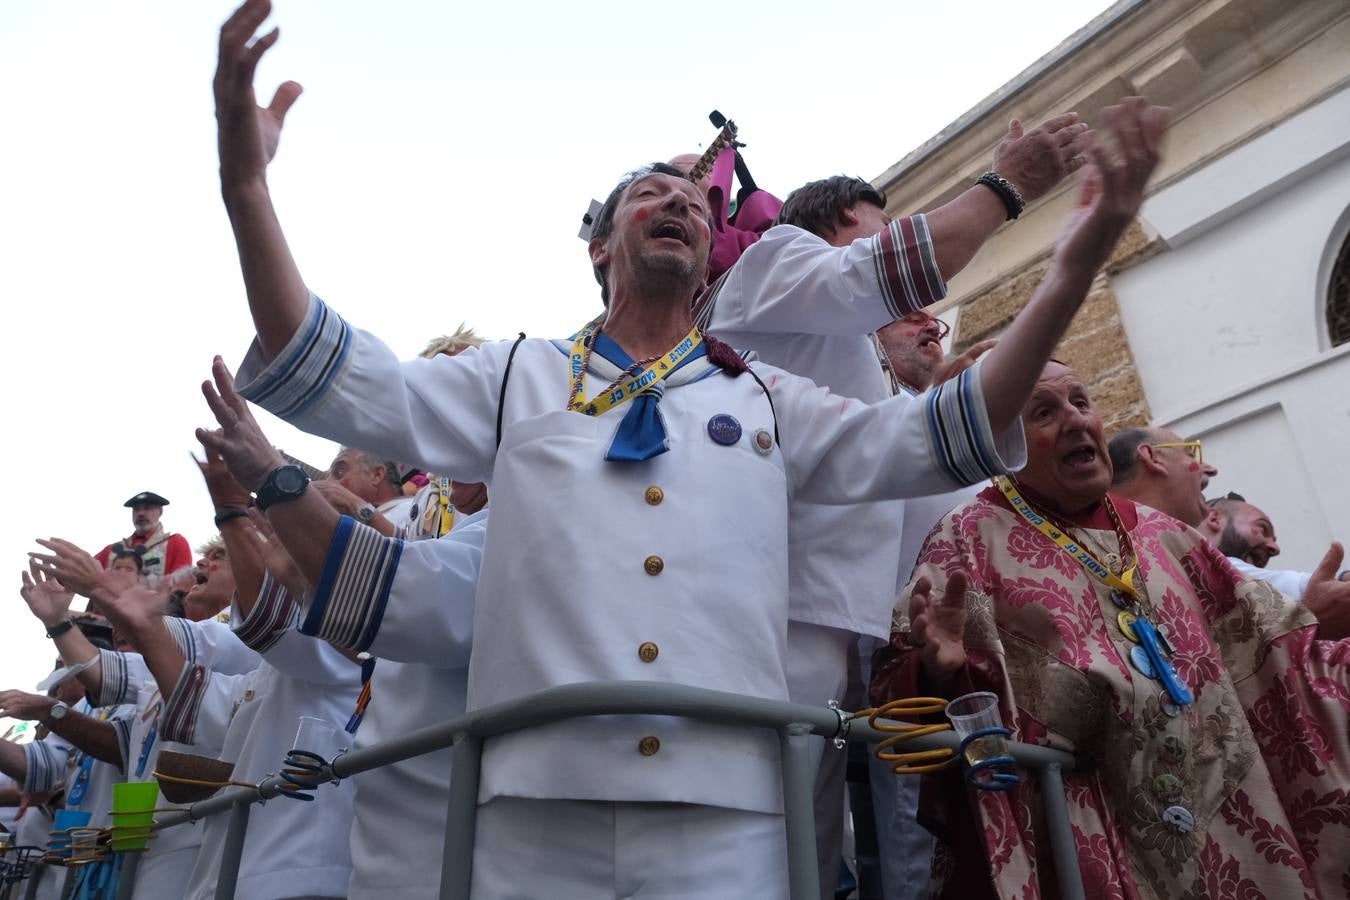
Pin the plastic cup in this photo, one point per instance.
(970, 713)
(320, 737)
(85, 846)
(58, 846)
(133, 814)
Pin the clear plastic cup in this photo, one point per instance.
(970, 713)
(320, 737)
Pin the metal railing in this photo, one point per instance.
(794, 723)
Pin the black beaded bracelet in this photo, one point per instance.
(1007, 192)
(57, 630)
(231, 512)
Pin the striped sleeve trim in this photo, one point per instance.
(272, 616)
(907, 270)
(349, 603)
(958, 430)
(115, 687)
(122, 728)
(300, 376)
(42, 773)
(183, 635)
(178, 718)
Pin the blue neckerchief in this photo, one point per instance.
(642, 433)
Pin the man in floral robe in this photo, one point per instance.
(1244, 793)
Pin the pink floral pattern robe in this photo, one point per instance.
(1262, 756)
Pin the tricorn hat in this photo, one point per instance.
(146, 498)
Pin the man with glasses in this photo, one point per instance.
(807, 298)
(1155, 467)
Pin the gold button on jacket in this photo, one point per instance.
(649, 745)
(655, 495)
(648, 651)
(654, 565)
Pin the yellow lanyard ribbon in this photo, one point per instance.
(1124, 583)
(447, 513)
(626, 388)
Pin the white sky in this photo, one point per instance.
(435, 170)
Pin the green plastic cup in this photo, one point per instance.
(133, 814)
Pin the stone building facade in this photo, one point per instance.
(1221, 313)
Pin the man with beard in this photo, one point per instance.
(1155, 467)
(1214, 714)
(164, 552)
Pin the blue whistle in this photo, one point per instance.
(1148, 639)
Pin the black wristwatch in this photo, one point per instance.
(285, 483)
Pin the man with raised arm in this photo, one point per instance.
(640, 476)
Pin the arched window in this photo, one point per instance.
(1338, 298)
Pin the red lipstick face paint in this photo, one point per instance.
(642, 215)
(1042, 442)
(1194, 467)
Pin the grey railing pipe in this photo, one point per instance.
(792, 721)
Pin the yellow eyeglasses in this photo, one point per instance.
(1194, 449)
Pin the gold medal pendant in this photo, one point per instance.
(1126, 621)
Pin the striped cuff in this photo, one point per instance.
(297, 379)
(959, 436)
(183, 635)
(349, 602)
(178, 718)
(44, 772)
(122, 727)
(272, 616)
(115, 687)
(907, 268)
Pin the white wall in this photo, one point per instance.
(1227, 325)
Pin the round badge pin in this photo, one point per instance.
(1139, 659)
(763, 442)
(1170, 707)
(1120, 600)
(1180, 818)
(724, 429)
(1126, 622)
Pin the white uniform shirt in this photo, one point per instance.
(810, 308)
(1288, 582)
(293, 848)
(565, 595)
(420, 632)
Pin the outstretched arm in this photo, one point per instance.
(98, 739)
(1111, 192)
(1033, 161)
(247, 138)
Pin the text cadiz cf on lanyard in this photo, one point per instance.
(626, 387)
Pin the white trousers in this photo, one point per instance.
(817, 672)
(594, 850)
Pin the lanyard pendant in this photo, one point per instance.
(1121, 600)
(1162, 669)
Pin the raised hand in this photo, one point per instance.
(47, 600)
(247, 453)
(22, 705)
(1112, 187)
(937, 626)
(76, 570)
(955, 365)
(248, 134)
(1329, 598)
(226, 492)
(133, 609)
(1037, 160)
